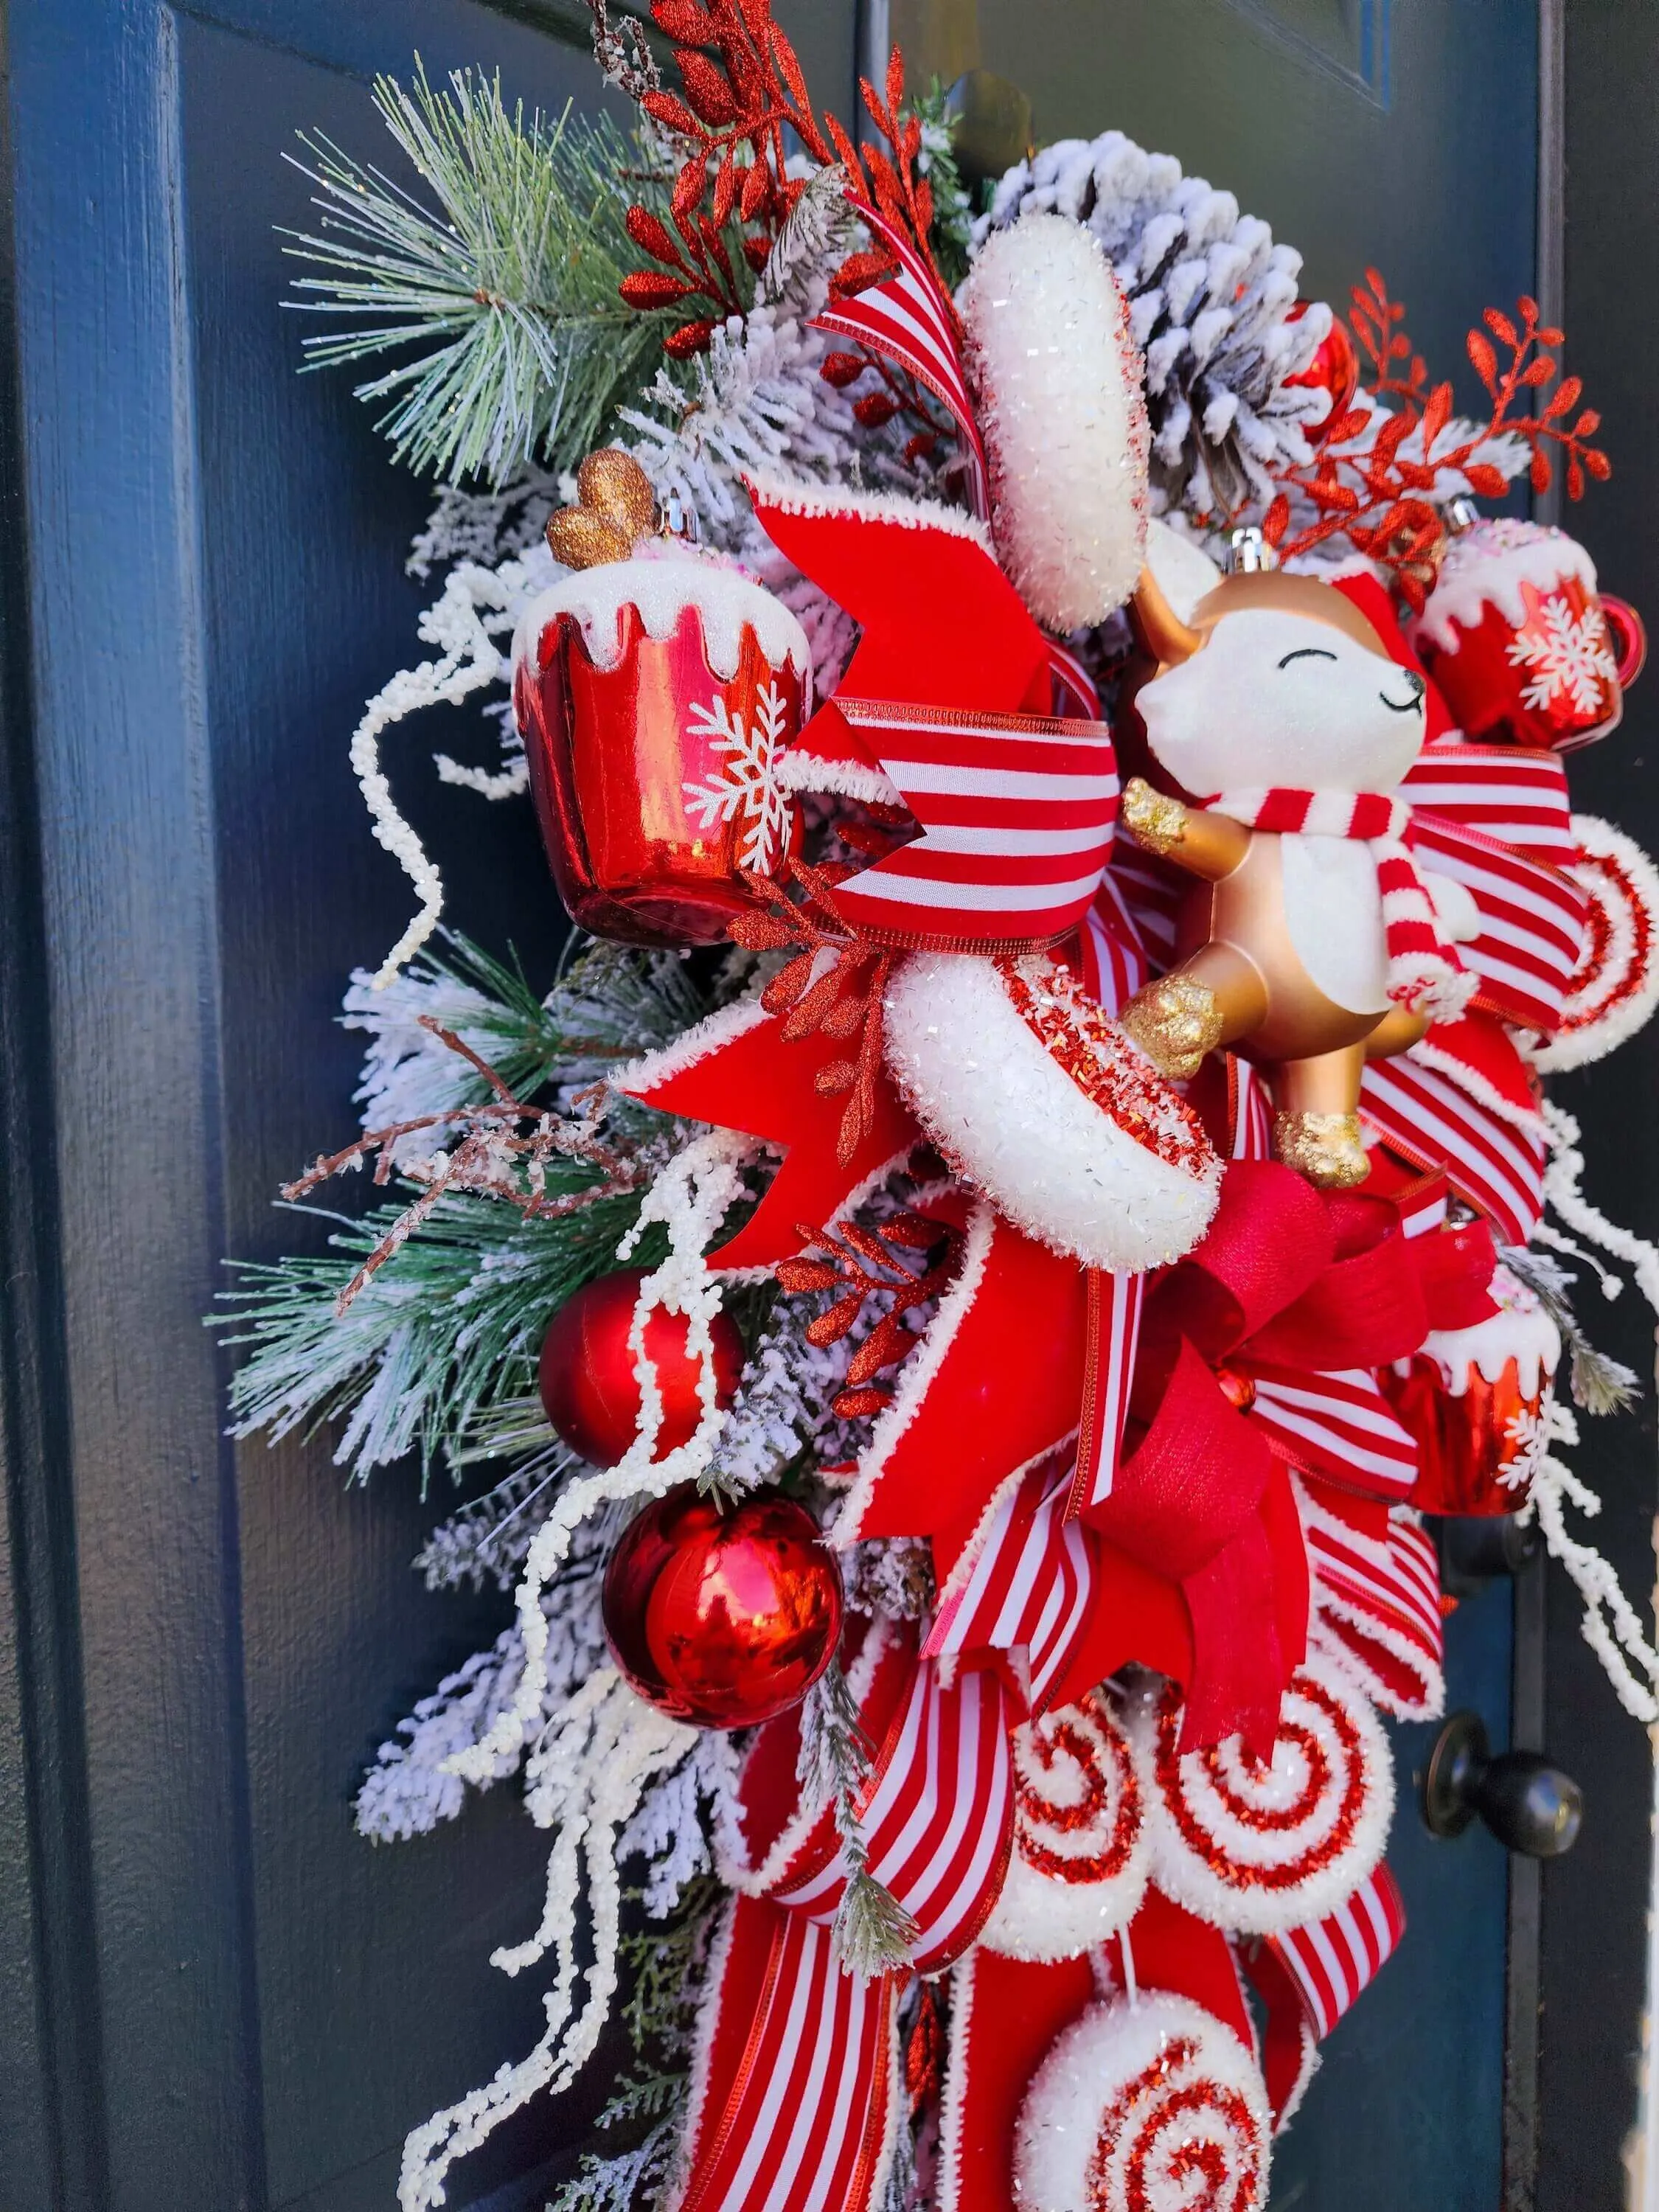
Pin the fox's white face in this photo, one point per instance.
(1277, 697)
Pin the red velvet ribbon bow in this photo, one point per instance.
(1288, 1278)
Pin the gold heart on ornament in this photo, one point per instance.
(617, 508)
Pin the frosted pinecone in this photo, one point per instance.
(1210, 295)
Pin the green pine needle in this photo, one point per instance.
(507, 291)
(436, 1353)
(448, 1328)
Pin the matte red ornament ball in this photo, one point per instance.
(724, 1617)
(1333, 368)
(589, 1390)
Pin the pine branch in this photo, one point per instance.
(872, 1930)
(450, 1326)
(951, 236)
(1600, 1385)
(445, 1299)
(487, 1540)
(506, 291)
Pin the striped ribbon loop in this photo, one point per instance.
(1030, 1586)
(907, 318)
(1113, 1338)
(1517, 797)
(1016, 813)
(1375, 1595)
(794, 2091)
(1309, 1976)
(1338, 1424)
(937, 1823)
(1533, 919)
(1114, 964)
(1432, 1122)
(1333, 1960)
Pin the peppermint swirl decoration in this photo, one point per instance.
(1615, 985)
(1080, 1864)
(1261, 1845)
(1151, 2106)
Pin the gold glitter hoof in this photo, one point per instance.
(1175, 1022)
(1327, 1148)
(1155, 821)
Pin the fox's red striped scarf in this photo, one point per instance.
(1424, 972)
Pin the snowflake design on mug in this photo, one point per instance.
(1571, 659)
(1526, 1440)
(747, 789)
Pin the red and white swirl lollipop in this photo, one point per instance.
(1079, 1869)
(1260, 1845)
(1150, 2107)
(1615, 986)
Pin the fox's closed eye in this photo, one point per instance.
(1307, 653)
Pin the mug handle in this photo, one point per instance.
(1630, 637)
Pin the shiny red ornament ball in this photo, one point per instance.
(589, 1390)
(722, 1617)
(1333, 368)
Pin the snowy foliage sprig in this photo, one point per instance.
(446, 1332)
(505, 294)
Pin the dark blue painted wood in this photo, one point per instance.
(1595, 2036)
(213, 589)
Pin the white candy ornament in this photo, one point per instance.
(1079, 1869)
(1153, 2105)
(1058, 382)
(1258, 1846)
(1033, 1096)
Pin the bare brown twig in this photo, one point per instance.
(493, 1154)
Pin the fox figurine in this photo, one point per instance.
(1311, 939)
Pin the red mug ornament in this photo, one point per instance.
(727, 1618)
(1473, 1399)
(655, 696)
(589, 1390)
(1525, 650)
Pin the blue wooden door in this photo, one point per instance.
(222, 1997)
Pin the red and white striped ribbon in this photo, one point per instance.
(938, 1819)
(1029, 1588)
(1114, 1308)
(1428, 1120)
(1424, 1206)
(1251, 1120)
(1533, 920)
(1331, 1961)
(1114, 964)
(1517, 797)
(1074, 688)
(795, 2084)
(1154, 890)
(1338, 1426)
(907, 319)
(1016, 813)
(1376, 1591)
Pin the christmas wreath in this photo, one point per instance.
(1033, 1177)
